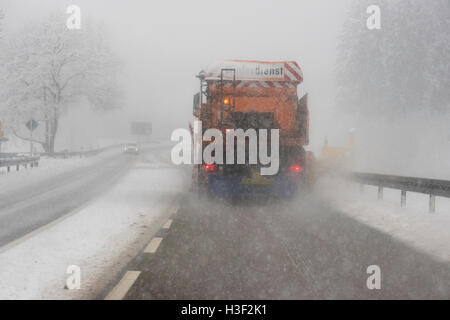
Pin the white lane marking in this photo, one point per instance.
(167, 224)
(153, 245)
(174, 209)
(121, 289)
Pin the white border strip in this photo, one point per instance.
(153, 245)
(167, 224)
(121, 289)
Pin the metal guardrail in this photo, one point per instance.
(9, 160)
(9, 155)
(17, 161)
(432, 187)
(82, 153)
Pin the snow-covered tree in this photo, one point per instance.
(49, 68)
(394, 84)
(402, 68)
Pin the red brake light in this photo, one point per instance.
(209, 167)
(295, 168)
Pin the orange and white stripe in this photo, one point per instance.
(256, 73)
(260, 84)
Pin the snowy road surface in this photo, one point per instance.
(136, 232)
(277, 250)
(34, 205)
(101, 236)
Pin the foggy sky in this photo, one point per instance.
(164, 44)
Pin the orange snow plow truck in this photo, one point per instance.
(238, 94)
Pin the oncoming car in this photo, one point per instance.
(131, 148)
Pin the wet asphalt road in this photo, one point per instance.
(269, 249)
(34, 206)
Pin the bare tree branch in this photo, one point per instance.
(71, 78)
(27, 139)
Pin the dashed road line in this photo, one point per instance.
(167, 224)
(121, 289)
(174, 209)
(127, 281)
(153, 245)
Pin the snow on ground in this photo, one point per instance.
(99, 238)
(48, 167)
(428, 232)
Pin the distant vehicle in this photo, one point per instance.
(131, 148)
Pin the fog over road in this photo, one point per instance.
(274, 250)
(137, 139)
(210, 248)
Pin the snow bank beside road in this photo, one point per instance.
(414, 225)
(100, 238)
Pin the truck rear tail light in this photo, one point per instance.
(209, 167)
(295, 168)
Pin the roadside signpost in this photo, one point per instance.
(31, 125)
(2, 137)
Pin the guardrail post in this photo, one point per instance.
(380, 193)
(403, 199)
(17, 168)
(432, 203)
